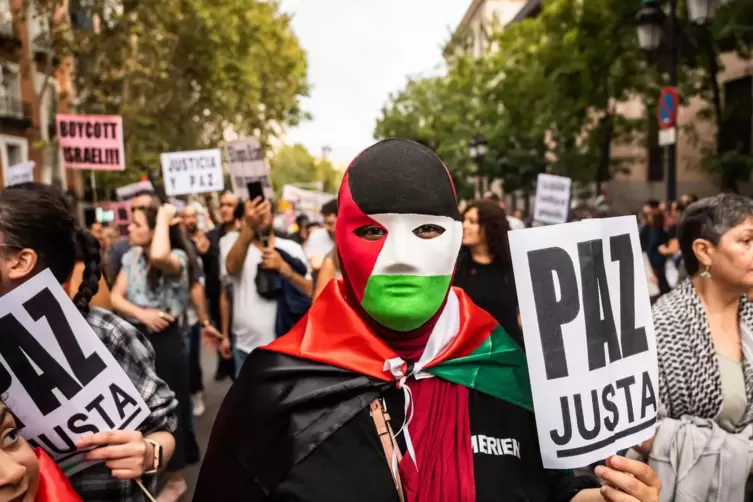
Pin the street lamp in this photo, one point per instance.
(478, 148)
(700, 11)
(650, 20)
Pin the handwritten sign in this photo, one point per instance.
(246, 164)
(552, 199)
(198, 171)
(92, 141)
(57, 376)
(21, 173)
(589, 338)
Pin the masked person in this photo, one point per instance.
(395, 387)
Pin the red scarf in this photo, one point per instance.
(53, 485)
(441, 433)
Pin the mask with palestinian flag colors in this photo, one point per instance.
(398, 233)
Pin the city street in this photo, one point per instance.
(214, 393)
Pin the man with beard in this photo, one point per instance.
(307, 419)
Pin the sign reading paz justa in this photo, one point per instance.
(92, 141)
(246, 164)
(552, 199)
(56, 375)
(589, 338)
(198, 171)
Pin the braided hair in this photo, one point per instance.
(36, 216)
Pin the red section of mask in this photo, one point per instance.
(357, 256)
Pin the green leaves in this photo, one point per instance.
(294, 165)
(183, 72)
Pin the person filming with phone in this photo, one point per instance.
(270, 277)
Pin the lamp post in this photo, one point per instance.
(478, 148)
(651, 21)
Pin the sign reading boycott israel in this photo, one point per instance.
(589, 338)
(56, 375)
(92, 141)
(198, 171)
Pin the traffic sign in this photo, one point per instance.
(666, 111)
(667, 136)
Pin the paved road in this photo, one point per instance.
(214, 392)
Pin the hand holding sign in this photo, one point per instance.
(628, 481)
(125, 452)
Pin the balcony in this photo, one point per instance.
(14, 113)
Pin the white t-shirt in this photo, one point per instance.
(253, 316)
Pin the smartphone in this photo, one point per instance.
(159, 189)
(255, 189)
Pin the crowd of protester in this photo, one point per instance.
(226, 277)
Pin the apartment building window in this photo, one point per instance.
(81, 14)
(737, 122)
(6, 19)
(13, 150)
(38, 25)
(10, 92)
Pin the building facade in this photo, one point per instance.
(34, 86)
(647, 174)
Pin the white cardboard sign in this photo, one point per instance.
(589, 338)
(198, 171)
(56, 375)
(21, 173)
(246, 164)
(552, 204)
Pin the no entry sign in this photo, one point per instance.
(667, 108)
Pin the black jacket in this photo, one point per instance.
(300, 431)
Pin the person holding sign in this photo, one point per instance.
(37, 233)
(704, 336)
(395, 386)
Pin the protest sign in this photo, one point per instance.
(246, 164)
(56, 375)
(92, 141)
(20, 173)
(552, 204)
(127, 192)
(306, 201)
(198, 171)
(589, 338)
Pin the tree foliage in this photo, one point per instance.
(294, 165)
(183, 72)
(549, 92)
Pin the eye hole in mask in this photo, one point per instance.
(370, 232)
(428, 231)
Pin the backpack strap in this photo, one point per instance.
(382, 422)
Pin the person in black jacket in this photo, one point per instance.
(395, 386)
